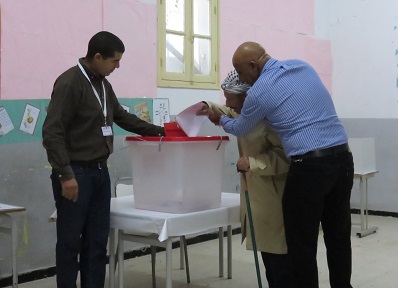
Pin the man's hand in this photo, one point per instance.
(70, 189)
(204, 110)
(243, 164)
(213, 114)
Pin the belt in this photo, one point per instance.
(323, 152)
(90, 164)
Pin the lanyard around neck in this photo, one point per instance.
(104, 111)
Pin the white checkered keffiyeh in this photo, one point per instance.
(232, 84)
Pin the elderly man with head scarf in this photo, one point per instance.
(263, 166)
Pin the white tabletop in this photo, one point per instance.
(144, 222)
(5, 208)
(365, 172)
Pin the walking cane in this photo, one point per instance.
(249, 214)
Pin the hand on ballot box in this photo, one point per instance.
(204, 110)
(214, 115)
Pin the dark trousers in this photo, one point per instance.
(318, 190)
(82, 229)
(276, 270)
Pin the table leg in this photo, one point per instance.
(13, 232)
(363, 190)
(229, 247)
(366, 203)
(184, 240)
(362, 202)
(111, 267)
(153, 265)
(220, 252)
(120, 258)
(169, 247)
(181, 253)
(14, 252)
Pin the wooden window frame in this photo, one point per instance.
(189, 79)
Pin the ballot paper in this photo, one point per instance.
(189, 122)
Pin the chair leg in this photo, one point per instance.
(153, 260)
(183, 240)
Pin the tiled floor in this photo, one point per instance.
(375, 263)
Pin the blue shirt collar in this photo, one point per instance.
(269, 64)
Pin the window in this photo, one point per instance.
(188, 43)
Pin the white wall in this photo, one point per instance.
(364, 37)
(364, 41)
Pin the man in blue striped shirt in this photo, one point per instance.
(291, 98)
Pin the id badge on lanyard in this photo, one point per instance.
(106, 130)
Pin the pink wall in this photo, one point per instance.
(42, 38)
(136, 24)
(284, 28)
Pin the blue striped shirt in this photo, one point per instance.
(290, 97)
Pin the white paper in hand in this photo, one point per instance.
(189, 121)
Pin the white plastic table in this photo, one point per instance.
(143, 223)
(5, 211)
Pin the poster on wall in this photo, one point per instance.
(161, 110)
(29, 119)
(5, 122)
(142, 111)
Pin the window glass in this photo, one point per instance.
(202, 56)
(174, 53)
(201, 17)
(175, 11)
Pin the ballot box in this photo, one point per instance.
(177, 174)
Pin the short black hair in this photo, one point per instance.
(104, 43)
